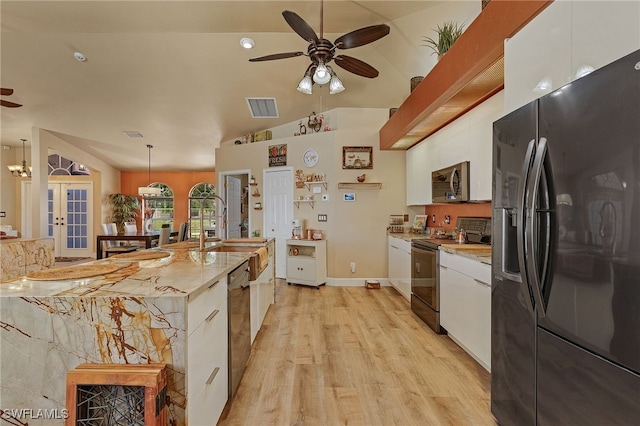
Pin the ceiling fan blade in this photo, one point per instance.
(356, 66)
(9, 104)
(300, 26)
(362, 36)
(276, 56)
(6, 92)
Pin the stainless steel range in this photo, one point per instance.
(425, 271)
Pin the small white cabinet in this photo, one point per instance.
(400, 265)
(465, 304)
(207, 353)
(307, 262)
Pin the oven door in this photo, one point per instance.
(424, 275)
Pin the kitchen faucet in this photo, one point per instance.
(222, 216)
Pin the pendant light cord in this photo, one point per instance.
(149, 173)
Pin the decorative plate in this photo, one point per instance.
(310, 158)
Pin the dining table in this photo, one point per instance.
(146, 237)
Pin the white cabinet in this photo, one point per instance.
(262, 293)
(307, 262)
(207, 352)
(563, 38)
(465, 304)
(419, 175)
(400, 265)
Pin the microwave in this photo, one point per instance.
(451, 185)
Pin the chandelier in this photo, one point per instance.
(149, 191)
(21, 170)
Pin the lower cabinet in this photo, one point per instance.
(207, 354)
(465, 304)
(307, 262)
(400, 265)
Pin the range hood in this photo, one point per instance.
(468, 74)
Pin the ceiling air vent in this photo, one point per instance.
(263, 107)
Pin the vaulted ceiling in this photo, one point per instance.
(175, 72)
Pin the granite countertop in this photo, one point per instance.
(406, 236)
(183, 273)
(479, 252)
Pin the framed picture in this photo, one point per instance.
(350, 196)
(420, 222)
(357, 157)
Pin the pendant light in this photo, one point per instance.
(21, 170)
(148, 191)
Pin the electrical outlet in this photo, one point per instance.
(353, 267)
(433, 218)
(447, 218)
(322, 218)
(325, 197)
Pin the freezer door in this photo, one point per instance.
(592, 129)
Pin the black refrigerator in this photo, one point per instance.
(565, 345)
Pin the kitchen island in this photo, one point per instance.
(145, 311)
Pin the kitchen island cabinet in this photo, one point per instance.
(465, 303)
(400, 265)
(170, 311)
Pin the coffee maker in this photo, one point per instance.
(297, 231)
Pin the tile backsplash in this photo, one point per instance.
(455, 210)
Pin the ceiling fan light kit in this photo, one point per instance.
(18, 170)
(321, 52)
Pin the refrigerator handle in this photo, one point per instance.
(520, 216)
(531, 228)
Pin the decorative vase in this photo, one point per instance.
(415, 81)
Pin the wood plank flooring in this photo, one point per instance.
(352, 356)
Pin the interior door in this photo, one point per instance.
(69, 218)
(234, 201)
(278, 212)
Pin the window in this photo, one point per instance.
(196, 200)
(159, 209)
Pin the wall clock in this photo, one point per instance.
(310, 158)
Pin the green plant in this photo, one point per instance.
(124, 208)
(448, 33)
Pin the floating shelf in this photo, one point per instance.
(310, 202)
(359, 185)
(308, 185)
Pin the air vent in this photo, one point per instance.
(132, 133)
(263, 107)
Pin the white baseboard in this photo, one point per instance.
(355, 282)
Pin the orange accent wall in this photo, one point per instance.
(455, 210)
(180, 182)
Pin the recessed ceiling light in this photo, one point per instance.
(247, 43)
(79, 57)
(132, 133)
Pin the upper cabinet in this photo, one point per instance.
(564, 41)
(469, 73)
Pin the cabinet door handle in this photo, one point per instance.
(211, 315)
(481, 282)
(213, 375)
(213, 285)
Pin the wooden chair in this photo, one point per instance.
(113, 247)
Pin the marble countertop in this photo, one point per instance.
(184, 273)
(480, 252)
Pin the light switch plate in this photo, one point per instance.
(322, 218)
(317, 190)
(3, 214)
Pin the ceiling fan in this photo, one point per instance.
(8, 104)
(321, 51)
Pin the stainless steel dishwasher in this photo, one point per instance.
(239, 304)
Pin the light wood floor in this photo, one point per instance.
(352, 356)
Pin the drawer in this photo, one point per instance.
(205, 407)
(207, 348)
(199, 308)
(467, 266)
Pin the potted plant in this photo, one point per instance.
(448, 33)
(124, 208)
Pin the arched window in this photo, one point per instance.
(196, 200)
(159, 209)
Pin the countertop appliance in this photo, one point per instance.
(425, 268)
(239, 307)
(451, 185)
(566, 254)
